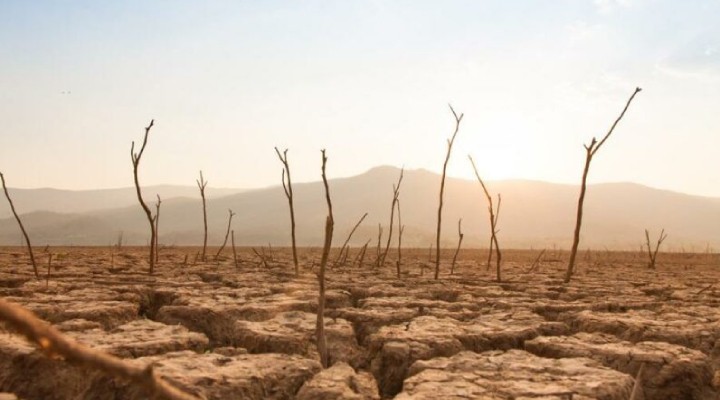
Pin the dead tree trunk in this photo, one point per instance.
(396, 194)
(442, 191)
(287, 187)
(202, 183)
(653, 255)
(22, 228)
(494, 212)
(151, 220)
(457, 251)
(329, 225)
(227, 234)
(157, 229)
(589, 153)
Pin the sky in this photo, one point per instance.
(370, 81)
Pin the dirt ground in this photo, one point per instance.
(223, 331)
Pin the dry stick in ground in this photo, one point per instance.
(396, 194)
(536, 263)
(232, 237)
(653, 255)
(349, 237)
(22, 228)
(202, 183)
(590, 151)
(378, 251)
(494, 215)
(287, 187)
(157, 228)
(360, 258)
(54, 344)
(151, 220)
(227, 234)
(457, 250)
(47, 278)
(261, 257)
(442, 190)
(329, 225)
(401, 229)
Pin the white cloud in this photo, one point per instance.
(608, 6)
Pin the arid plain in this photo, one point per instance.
(225, 329)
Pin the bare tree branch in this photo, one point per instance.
(22, 228)
(151, 220)
(442, 190)
(53, 343)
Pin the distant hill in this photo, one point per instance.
(80, 201)
(534, 214)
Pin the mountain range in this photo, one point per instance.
(533, 214)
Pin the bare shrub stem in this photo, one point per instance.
(590, 151)
(442, 190)
(22, 228)
(151, 220)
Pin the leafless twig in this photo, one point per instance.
(53, 343)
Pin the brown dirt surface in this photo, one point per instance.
(223, 332)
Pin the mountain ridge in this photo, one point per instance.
(534, 214)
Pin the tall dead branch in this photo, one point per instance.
(401, 230)
(396, 194)
(22, 228)
(494, 211)
(151, 220)
(379, 248)
(202, 183)
(56, 345)
(232, 235)
(457, 250)
(442, 190)
(590, 151)
(227, 233)
(329, 225)
(157, 228)
(652, 255)
(287, 187)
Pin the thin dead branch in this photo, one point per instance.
(652, 255)
(54, 344)
(442, 190)
(151, 220)
(348, 239)
(590, 151)
(232, 235)
(287, 187)
(536, 263)
(202, 183)
(22, 228)
(494, 212)
(329, 225)
(401, 230)
(396, 194)
(457, 250)
(157, 228)
(227, 234)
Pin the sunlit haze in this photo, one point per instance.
(370, 81)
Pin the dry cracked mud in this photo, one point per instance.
(222, 332)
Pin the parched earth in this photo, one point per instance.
(248, 332)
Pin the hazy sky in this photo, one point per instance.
(368, 80)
